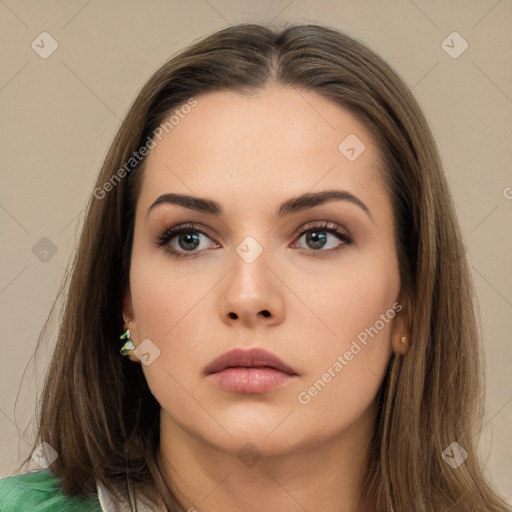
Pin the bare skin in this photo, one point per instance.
(300, 299)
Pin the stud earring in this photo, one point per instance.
(128, 346)
(403, 340)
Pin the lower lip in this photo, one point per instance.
(250, 380)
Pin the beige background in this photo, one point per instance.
(59, 115)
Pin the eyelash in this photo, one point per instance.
(343, 235)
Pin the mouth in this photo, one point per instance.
(249, 371)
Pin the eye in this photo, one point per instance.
(186, 239)
(183, 240)
(316, 237)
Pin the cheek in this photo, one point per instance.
(162, 291)
(171, 309)
(345, 370)
(165, 302)
(356, 293)
(152, 299)
(358, 308)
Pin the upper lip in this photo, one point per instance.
(252, 358)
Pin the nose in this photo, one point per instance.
(253, 295)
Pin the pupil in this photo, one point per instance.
(187, 238)
(318, 238)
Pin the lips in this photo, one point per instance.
(249, 371)
(248, 358)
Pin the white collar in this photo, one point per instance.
(110, 504)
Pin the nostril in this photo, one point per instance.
(265, 313)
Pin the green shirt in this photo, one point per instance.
(40, 492)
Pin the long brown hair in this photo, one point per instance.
(97, 411)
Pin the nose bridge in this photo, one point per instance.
(252, 290)
(249, 276)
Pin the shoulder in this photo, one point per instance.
(40, 491)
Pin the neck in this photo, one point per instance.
(207, 478)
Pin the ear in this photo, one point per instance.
(129, 322)
(400, 327)
(128, 315)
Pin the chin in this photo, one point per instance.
(248, 443)
(240, 431)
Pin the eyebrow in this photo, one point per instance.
(293, 205)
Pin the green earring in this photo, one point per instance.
(128, 346)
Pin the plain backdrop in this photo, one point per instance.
(60, 111)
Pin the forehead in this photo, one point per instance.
(277, 141)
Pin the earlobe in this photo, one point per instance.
(129, 324)
(400, 331)
(128, 348)
(402, 346)
(400, 341)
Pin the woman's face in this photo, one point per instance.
(263, 268)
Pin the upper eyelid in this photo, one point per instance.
(325, 224)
